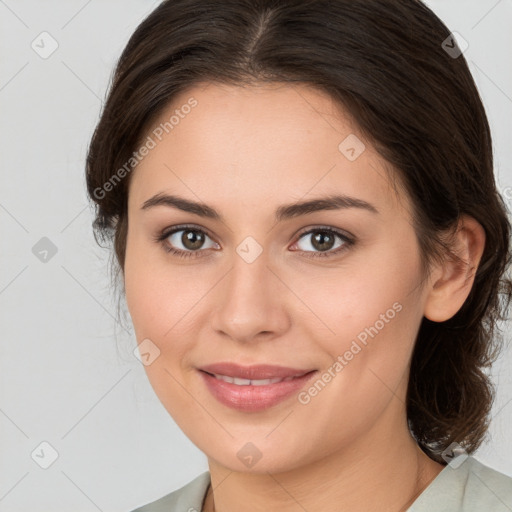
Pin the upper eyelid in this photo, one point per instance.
(175, 229)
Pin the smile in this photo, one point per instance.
(254, 395)
(251, 382)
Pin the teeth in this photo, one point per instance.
(247, 382)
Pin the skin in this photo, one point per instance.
(245, 151)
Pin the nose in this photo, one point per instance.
(250, 302)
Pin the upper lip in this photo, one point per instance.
(255, 372)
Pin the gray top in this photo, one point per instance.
(469, 486)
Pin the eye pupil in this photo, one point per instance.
(322, 238)
(192, 239)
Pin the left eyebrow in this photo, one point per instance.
(283, 212)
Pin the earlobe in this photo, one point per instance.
(454, 278)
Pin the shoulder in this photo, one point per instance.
(466, 486)
(188, 498)
(488, 487)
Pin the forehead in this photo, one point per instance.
(259, 144)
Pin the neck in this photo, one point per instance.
(386, 474)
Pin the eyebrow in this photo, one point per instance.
(283, 212)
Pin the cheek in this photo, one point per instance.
(158, 301)
(366, 317)
(164, 302)
(366, 289)
(158, 295)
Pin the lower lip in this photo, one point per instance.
(253, 398)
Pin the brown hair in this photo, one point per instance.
(417, 103)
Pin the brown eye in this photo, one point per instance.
(323, 242)
(192, 239)
(185, 241)
(189, 239)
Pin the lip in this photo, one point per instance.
(253, 398)
(254, 372)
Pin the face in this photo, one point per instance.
(332, 291)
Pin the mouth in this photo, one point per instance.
(250, 382)
(258, 372)
(253, 388)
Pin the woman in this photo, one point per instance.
(313, 251)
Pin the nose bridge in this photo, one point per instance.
(249, 301)
(250, 274)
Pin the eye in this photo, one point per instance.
(185, 241)
(190, 241)
(324, 241)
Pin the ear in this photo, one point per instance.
(452, 280)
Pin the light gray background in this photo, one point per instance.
(67, 372)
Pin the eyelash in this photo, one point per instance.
(162, 237)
